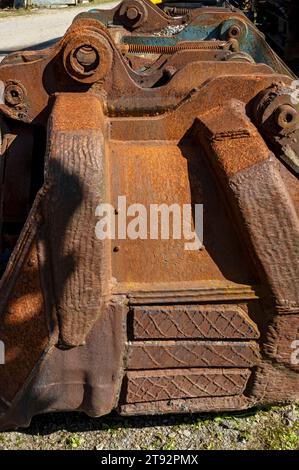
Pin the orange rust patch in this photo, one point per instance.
(154, 173)
(23, 328)
(70, 109)
(236, 155)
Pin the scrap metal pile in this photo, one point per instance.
(192, 109)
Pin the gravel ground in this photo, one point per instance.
(40, 27)
(274, 429)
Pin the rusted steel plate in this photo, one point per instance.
(283, 339)
(165, 293)
(272, 383)
(185, 405)
(23, 327)
(191, 321)
(168, 354)
(260, 195)
(139, 173)
(76, 177)
(143, 386)
(77, 378)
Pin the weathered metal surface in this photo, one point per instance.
(173, 354)
(147, 386)
(191, 321)
(141, 324)
(23, 328)
(76, 178)
(153, 27)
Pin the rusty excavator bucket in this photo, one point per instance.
(149, 218)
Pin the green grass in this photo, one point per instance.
(280, 437)
(15, 12)
(73, 442)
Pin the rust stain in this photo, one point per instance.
(23, 328)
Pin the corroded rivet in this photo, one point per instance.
(13, 94)
(234, 31)
(132, 13)
(285, 116)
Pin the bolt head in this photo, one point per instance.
(13, 95)
(286, 116)
(234, 31)
(132, 13)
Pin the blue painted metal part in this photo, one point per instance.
(206, 26)
(252, 42)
